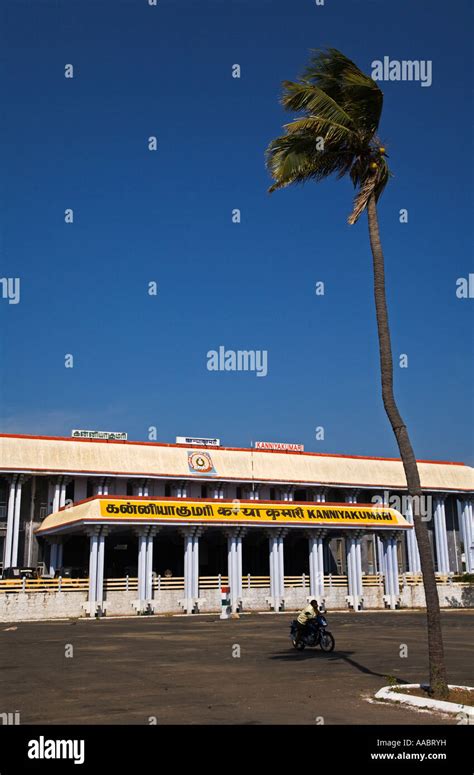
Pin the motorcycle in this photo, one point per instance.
(314, 634)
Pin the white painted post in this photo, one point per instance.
(16, 524)
(441, 537)
(188, 570)
(149, 568)
(240, 536)
(100, 570)
(414, 563)
(93, 546)
(281, 569)
(7, 557)
(195, 574)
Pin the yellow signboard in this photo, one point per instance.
(257, 512)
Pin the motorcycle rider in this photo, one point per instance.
(309, 612)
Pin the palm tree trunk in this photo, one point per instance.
(438, 679)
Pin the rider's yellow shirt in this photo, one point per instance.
(305, 614)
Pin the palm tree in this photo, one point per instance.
(335, 132)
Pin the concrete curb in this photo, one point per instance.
(387, 693)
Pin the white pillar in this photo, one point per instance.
(414, 564)
(149, 566)
(276, 569)
(60, 554)
(395, 576)
(388, 587)
(232, 570)
(358, 565)
(316, 564)
(281, 568)
(239, 561)
(7, 557)
(142, 562)
(57, 495)
(100, 570)
(93, 551)
(381, 555)
(234, 564)
(441, 537)
(62, 493)
(188, 569)
(16, 523)
(195, 568)
(466, 528)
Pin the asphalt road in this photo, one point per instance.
(186, 670)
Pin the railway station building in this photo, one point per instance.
(116, 527)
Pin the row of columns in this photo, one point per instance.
(276, 538)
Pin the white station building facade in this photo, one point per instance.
(171, 518)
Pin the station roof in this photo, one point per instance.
(63, 455)
(182, 512)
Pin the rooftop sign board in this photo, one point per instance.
(107, 435)
(279, 446)
(198, 442)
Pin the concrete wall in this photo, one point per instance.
(24, 606)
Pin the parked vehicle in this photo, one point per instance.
(68, 572)
(20, 572)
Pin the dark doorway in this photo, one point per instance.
(255, 554)
(168, 553)
(213, 553)
(296, 554)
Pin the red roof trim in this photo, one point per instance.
(233, 449)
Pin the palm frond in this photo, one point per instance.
(296, 159)
(341, 105)
(330, 131)
(340, 78)
(314, 101)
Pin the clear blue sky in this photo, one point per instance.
(140, 216)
